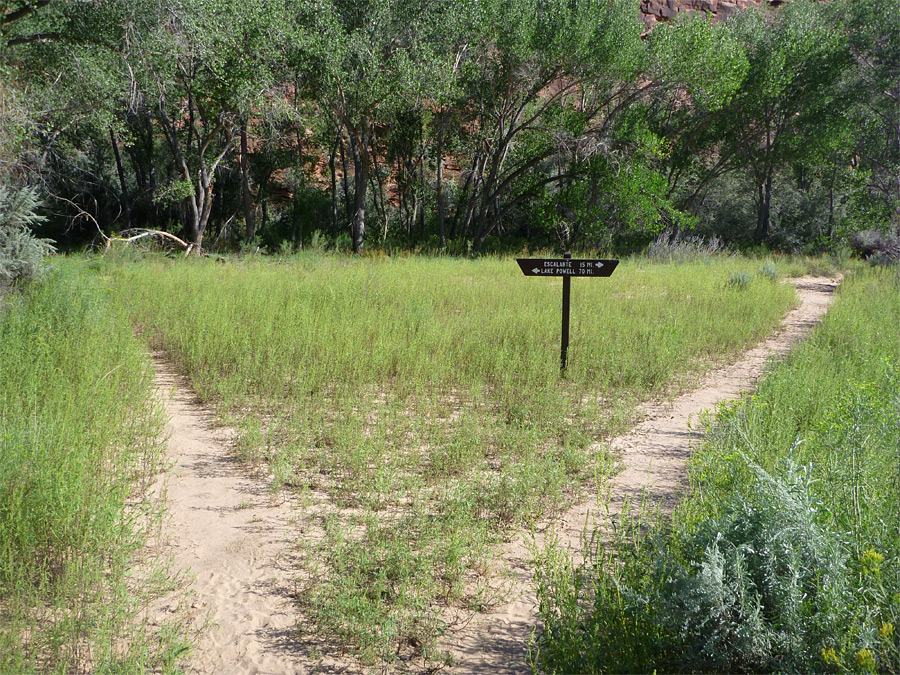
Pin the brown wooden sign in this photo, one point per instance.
(566, 268)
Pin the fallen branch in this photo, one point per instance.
(133, 234)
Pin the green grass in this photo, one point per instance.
(786, 555)
(78, 437)
(416, 404)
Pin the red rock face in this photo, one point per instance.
(654, 11)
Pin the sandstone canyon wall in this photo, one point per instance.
(655, 11)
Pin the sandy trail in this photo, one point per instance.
(232, 539)
(654, 456)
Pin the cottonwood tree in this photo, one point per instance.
(697, 68)
(359, 62)
(449, 38)
(546, 83)
(200, 73)
(69, 57)
(790, 101)
(874, 31)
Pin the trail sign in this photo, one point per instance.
(566, 268)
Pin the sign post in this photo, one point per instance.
(564, 342)
(566, 268)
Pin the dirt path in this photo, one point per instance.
(232, 539)
(654, 455)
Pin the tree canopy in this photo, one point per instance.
(456, 126)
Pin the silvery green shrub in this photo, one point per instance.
(761, 587)
(21, 253)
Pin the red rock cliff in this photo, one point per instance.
(654, 11)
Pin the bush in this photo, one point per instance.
(676, 247)
(872, 244)
(739, 280)
(768, 271)
(766, 587)
(21, 253)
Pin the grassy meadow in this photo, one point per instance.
(79, 438)
(415, 404)
(785, 556)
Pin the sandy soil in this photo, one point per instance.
(654, 457)
(233, 540)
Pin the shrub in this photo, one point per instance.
(677, 247)
(740, 280)
(768, 271)
(764, 586)
(874, 244)
(21, 253)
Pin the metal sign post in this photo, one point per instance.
(566, 268)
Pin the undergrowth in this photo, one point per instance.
(416, 404)
(79, 433)
(786, 555)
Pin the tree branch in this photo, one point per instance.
(37, 37)
(23, 11)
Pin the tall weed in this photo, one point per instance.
(79, 432)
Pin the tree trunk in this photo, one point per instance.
(297, 234)
(263, 203)
(422, 194)
(463, 201)
(126, 205)
(344, 182)
(764, 192)
(334, 207)
(191, 221)
(358, 146)
(478, 167)
(439, 183)
(378, 194)
(151, 171)
(249, 215)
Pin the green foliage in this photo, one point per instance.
(763, 150)
(874, 35)
(79, 438)
(494, 122)
(708, 62)
(14, 114)
(765, 586)
(534, 145)
(21, 253)
(786, 554)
